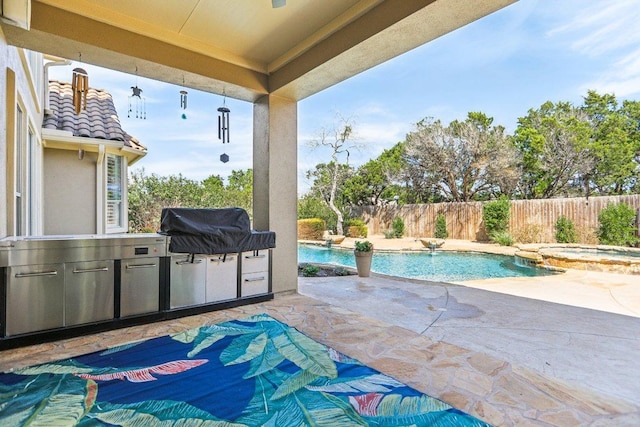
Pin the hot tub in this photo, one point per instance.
(614, 259)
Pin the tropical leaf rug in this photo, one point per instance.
(250, 372)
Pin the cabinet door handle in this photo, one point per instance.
(255, 279)
(91, 270)
(130, 267)
(195, 261)
(254, 256)
(37, 273)
(229, 258)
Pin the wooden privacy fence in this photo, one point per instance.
(464, 220)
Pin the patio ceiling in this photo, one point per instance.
(245, 48)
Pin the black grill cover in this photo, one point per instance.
(212, 231)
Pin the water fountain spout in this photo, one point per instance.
(432, 244)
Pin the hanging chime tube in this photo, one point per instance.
(223, 124)
(79, 87)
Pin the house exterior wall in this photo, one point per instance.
(69, 192)
(59, 193)
(17, 87)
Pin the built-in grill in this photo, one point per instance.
(213, 231)
(212, 253)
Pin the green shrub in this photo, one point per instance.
(441, 227)
(398, 227)
(389, 234)
(311, 229)
(565, 231)
(310, 270)
(313, 207)
(356, 228)
(357, 231)
(617, 225)
(495, 215)
(503, 238)
(353, 222)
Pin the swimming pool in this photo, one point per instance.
(443, 266)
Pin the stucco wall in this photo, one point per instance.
(69, 192)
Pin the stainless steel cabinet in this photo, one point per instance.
(222, 277)
(88, 292)
(139, 286)
(187, 281)
(35, 298)
(255, 273)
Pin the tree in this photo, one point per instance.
(464, 161)
(552, 142)
(330, 175)
(614, 143)
(213, 191)
(377, 180)
(239, 190)
(324, 176)
(148, 194)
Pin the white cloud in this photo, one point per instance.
(600, 27)
(608, 33)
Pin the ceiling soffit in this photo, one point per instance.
(249, 33)
(242, 47)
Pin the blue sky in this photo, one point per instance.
(503, 65)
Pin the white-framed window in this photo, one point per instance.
(116, 218)
(26, 175)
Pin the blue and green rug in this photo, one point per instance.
(250, 372)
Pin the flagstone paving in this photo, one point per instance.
(551, 351)
(496, 387)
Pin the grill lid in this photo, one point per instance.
(212, 231)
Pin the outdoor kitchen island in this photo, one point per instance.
(53, 287)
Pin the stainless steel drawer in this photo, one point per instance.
(255, 261)
(139, 286)
(187, 281)
(35, 298)
(88, 292)
(255, 283)
(222, 277)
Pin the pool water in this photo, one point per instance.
(604, 253)
(441, 266)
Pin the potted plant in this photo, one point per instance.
(363, 252)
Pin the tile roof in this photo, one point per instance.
(99, 120)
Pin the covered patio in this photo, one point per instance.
(426, 336)
(508, 360)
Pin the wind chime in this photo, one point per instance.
(183, 103)
(137, 98)
(80, 88)
(223, 127)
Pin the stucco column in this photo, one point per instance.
(275, 185)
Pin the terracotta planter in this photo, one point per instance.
(363, 262)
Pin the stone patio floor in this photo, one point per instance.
(509, 360)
